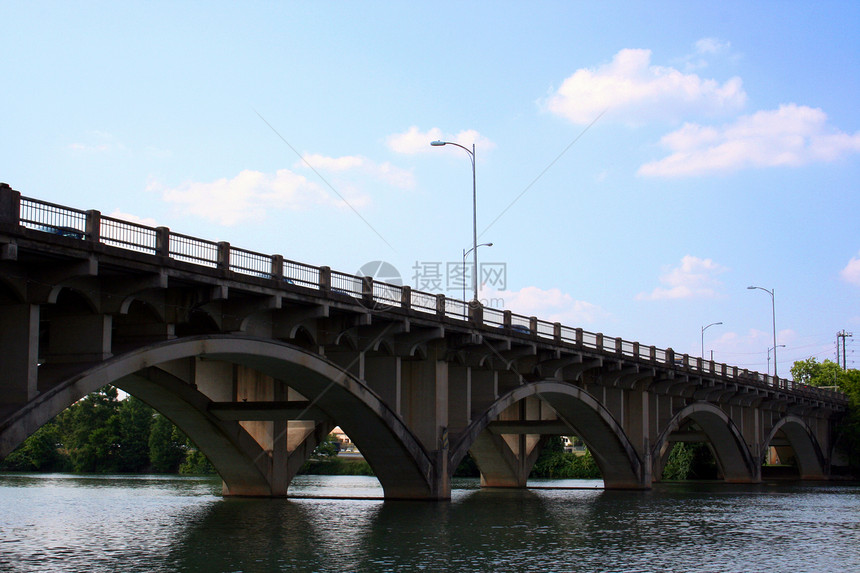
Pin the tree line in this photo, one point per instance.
(103, 434)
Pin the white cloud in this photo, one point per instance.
(149, 222)
(551, 305)
(851, 272)
(789, 136)
(415, 141)
(635, 91)
(386, 172)
(249, 196)
(98, 142)
(711, 46)
(704, 50)
(693, 278)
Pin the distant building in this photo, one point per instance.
(346, 445)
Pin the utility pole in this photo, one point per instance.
(843, 335)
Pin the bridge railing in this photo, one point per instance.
(251, 263)
(128, 235)
(192, 250)
(92, 226)
(52, 218)
(301, 274)
(422, 301)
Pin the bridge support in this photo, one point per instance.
(19, 341)
(424, 409)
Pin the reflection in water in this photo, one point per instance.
(72, 523)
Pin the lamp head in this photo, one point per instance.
(438, 143)
(751, 287)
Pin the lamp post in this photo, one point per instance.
(774, 355)
(439, 143)
(704, 328)
(465, 253)
(773, 309)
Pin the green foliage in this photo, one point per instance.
(689, 461)
(90, 432)
(195, 462)
(103, 434)
(813, 373)
(166, 446)
(328, 448)
(39, 453)
(828, 373)
(553, 445)
(565, 465)
(467, 468)
(135, 423)
(336, 467)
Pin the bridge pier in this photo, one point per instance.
(19, 357)
(424, 408)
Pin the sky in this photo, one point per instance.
(638, 164)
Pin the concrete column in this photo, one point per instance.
(353, 361)
(424, 409)
(214, 379)
(19, 353)
(636, 420)
(613, 400)
(507, 381)
(531, 411)
(79, 338)
(459, 397)
(424, 399)
(94, 226)
(10, 206)
(382, 374)
(162, 241)
(485, 389)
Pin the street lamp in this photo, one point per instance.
(704, 328)
(773, 308)
(439, 143)
(774, 355)
(465, 252)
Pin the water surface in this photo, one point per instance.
(149, 523)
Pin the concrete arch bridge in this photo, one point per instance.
(256, 358)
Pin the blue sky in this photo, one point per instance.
(638, 164)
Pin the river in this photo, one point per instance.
(74, 523)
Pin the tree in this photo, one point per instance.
(327, 448)
(90, 432)
(812, 373)
(690, 461)
(135, 424)
(829, 373)
(166, 446)
(195, 462)
(39, 453)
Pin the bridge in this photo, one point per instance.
(257, 357)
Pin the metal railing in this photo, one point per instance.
(193, 250)
(91, 226)
(128, 235)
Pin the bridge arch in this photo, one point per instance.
(807, 451)
(400, 462)
(612, 450)
(736, 461)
